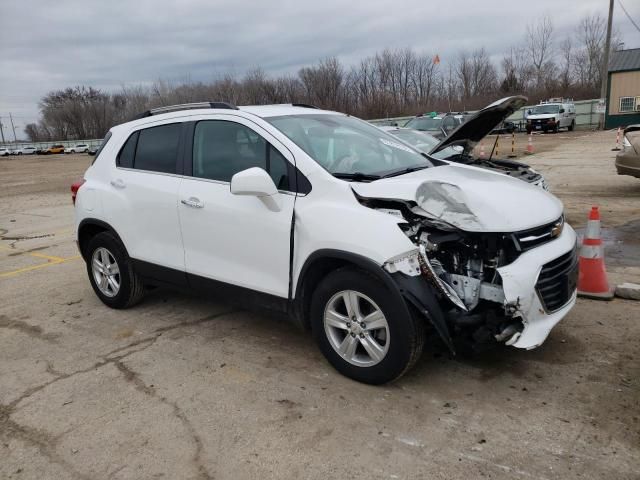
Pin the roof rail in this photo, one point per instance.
(304, 105)
(185, 106)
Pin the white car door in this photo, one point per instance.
(143, 199)
(238, 240)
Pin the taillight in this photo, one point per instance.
(74, 189)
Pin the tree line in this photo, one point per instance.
(390, 83)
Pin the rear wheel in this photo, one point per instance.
(111, 272)
(572, 126)
(364, 331)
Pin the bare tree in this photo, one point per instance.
(566, 74)
(323, 84)
(539, 45)
(589, 55)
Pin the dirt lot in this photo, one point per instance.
(183, 387)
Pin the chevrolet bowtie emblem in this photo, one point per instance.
(557, 229)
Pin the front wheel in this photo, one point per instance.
(111, 272)
(364, 331)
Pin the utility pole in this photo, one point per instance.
(2, 129)
(15, 140)
(605, 61)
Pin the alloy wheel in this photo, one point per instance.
(106, 272)
(356, 328)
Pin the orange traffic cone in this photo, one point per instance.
(592, 275)
(530, 145)
(617, 147)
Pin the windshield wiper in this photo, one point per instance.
(405, 170)
(356, 176)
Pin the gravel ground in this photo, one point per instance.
(183, 387)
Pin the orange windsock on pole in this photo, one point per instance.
(592, 275)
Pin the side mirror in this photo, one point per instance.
(562, 110)
(256, 182)
(529, 112)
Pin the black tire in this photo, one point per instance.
(556, 129)
(406, 332)
(131, 288)
(571, 127)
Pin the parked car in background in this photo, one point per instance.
(552, 115)
(628, 159)
(92, 150)
(4, 151)
(505, 127)
(437, 124)
(54, 149)
(430, 145)
(28, 150)
(79, 148)
(369, 243)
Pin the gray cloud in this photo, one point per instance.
(47, 45)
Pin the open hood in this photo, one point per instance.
(471, 199)
(479, 125)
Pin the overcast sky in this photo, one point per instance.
(46, 45)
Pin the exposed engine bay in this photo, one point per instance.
(462, 268)
(517, 170)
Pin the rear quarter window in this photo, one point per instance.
(106, 139)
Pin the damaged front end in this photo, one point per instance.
(466, 300)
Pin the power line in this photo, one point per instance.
(628, 16)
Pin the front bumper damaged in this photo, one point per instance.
(519, 280)
(518, 294)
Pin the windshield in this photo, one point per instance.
(540, 109)
(425, 123)
(422, 141)
(346, 146)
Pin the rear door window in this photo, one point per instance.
(157, 148)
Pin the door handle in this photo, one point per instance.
(192, 202)
(118, 183)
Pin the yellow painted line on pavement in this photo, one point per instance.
(48, 257)
(41, 265)
(32, 254)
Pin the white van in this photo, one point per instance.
(552, 115)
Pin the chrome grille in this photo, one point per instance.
(534, 237)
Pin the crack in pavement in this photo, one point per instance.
(46, 444)
(41, 440)
(133, 377)
(26, 328)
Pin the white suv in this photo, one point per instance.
(79, 148)
(348, 230)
